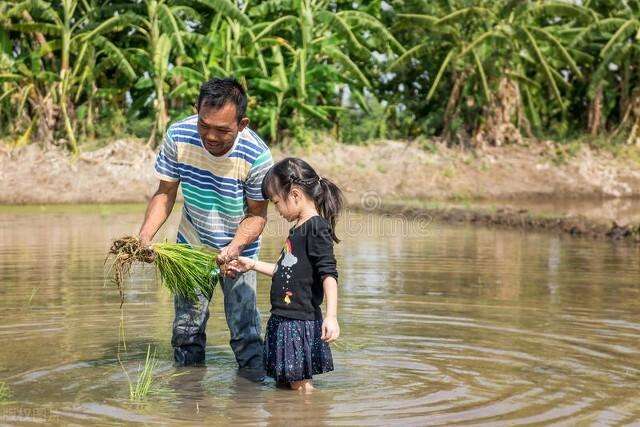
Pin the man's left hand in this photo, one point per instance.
(227, 254)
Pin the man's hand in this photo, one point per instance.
(145, 240)
(248, 231)
(226, 255)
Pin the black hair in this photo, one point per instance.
(291, 171)
(218, 92)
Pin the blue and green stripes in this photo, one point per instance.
(209, 200)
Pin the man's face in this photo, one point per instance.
(218, 127)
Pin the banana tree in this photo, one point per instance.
(500, 59)
(614, 86)
(221, 50)
(46, 18)
(156, 32)
(314, 50)
(157, 46)
(52, 75)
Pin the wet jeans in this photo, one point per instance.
(243, 318)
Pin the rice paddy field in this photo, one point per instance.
(441, 325)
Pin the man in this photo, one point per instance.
(220, 164)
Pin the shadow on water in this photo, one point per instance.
(442, 325)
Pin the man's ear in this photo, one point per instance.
(243, 124)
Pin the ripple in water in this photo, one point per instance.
(452, 326)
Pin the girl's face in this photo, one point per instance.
(290, 206)
(286, 206)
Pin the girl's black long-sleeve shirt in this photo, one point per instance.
(306, 259)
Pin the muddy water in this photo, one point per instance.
(441, 325)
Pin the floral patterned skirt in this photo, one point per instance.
(293, 350)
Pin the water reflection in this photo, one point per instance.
(442, 325)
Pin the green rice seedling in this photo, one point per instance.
(184, 270)
(33, 293)
(5, 393)
(148, 382)
(139, 390)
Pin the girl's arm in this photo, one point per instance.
(330, 327)
(242, 264)
(320, 250)
(266, 268)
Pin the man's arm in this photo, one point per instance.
(248, 231)
(158, 210)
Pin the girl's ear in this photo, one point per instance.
(295, 193)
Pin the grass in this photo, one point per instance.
(564, 151)
(140, 389)
(33, 293)
(148, 383)
(184, 270)
(449, 172)
(5, 393)
(145, 378)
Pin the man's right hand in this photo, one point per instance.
(145, 240)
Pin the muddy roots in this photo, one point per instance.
(125, 251)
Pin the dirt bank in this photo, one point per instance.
(401, 172)
(524, 219)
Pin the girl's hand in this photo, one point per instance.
(330, 329)
(241, 264)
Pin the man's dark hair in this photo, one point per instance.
(217, 92)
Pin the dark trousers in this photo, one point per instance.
(189, 339)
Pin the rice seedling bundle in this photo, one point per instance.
(184, 270)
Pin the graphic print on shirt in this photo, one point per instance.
(287, 260)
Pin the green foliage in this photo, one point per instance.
(76, 70)
(5, 393)
(563, 152)
(97, 63)
(357, 126)
(477, 64)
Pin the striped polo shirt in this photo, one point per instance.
(215, 188)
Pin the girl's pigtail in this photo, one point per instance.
(330, 203)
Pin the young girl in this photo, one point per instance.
(297, 337)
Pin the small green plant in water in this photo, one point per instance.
(184, 270)
(148, 382)
(139, 390)
(33, 293)
(5, 393)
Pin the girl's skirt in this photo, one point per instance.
(293, 350)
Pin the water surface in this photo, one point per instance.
(441, 325)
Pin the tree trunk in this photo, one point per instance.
(634, 110)
(595, 112)
(503, 117)
(452, 103)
